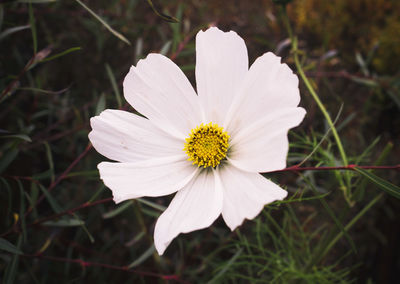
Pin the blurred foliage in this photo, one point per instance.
(357, 25)
(62, 63)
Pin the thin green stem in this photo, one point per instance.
(326, 249)
(319, 103)
(139, 216)
(316, 98)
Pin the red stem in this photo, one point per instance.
(15, 229)
(55, 137)
(51, 187)
(60, 177)
(70, 211)
(181, 46)
(349, 167)
(42, 54)
(113, 267)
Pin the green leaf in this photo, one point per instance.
(85, 229)
(152, 204)
(363, 81)
(162, 15)
(332, 215)
(142, 258)
(9, 247)
(88, 174)
(383, 184)
(121, 208)
(22, 210)
(320, 254)
(7, 187)
(43, 175)
(65, 52)
(166, 47)
(41, 91)
(97, 193)
(105, 24)
(19, 136)
(32, 197)
(226, 267)
(11, 272)
(10, 31)
(7, 158)
(114, 85)
(65, 223)
(53, 203)
(50, 160)
(395, 96)
(33, 28)
(101, 104)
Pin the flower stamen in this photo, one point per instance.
(207, 145)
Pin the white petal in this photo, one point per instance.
(221, 65)
(263, 145)
(194, 207)
(159, 90)
(245, 194)
(268, 86)
(126, 137)
(155, 177)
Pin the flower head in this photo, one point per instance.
(208, 147)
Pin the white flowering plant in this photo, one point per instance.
(208, 147)
(214, 145)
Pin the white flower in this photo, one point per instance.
(233, 129)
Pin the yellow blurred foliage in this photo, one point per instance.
(356, 25)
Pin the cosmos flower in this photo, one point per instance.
(207, 147)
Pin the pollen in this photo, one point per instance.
(207, 145)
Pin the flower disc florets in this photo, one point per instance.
(207, 145)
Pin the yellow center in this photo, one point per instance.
(207, 145)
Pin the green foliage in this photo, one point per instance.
(279, 253)
(62, 62)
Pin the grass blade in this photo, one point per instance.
(22, 210)
(65, 52)
(33, 28)
(9, 247)
(383, 184)
(50, 160)
(143, 257)
(226, 267)
(152, 204)
(162, 15)
(105, 24)
(320, 255)
(101, 104)
(19, 136)
(121, 208)
(114, 85)
(65, 223)
(53, 203)
(11, 272)
(10, 31)
(7, 159)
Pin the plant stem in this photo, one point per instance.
(316, 98)
(348, 167)
(321, 253)
(60, 178)
(108, 266)
(16, 229)
(139, 216)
